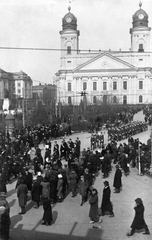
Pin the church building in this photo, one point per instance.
(116, 77)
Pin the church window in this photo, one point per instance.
(94, 86)
(125, 85)
(69, 100)
(140, 99)
(140, 84)
(141, 47)
(114, 99)
(94, 99)
(84, 86)
(104, 85)
(114, 85)
(68, 61)
(69, 86)
(124, 99)
(140, 59)
(68, 49)
(18, 84)
(19, 91)
(105, 99)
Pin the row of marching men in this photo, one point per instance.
(123, 131)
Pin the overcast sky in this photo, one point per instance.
(36, 23)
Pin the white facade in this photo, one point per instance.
(116, 77)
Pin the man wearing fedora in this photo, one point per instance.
(138, 221)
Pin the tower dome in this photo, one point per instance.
(140, 18)
(69, 21)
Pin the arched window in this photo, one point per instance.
(114, 99)
(69, 100)
(105, 99)
(68, 47)
(124, 99)
(94, 99)
(140, 99)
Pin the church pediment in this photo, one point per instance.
(105, 62)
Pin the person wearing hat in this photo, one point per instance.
(4, 217)
(138, 221)
(106, 204)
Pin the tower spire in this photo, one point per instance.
(140, 4)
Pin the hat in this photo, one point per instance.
(39, 173)
(59, 175)
(106, 183)
(138, 200)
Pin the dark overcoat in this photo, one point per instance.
(93, 213)
(36, 192)
(22, 194)
(47, 216)
(138, 221)
(73, 178)
(117, 183)
(106, 204)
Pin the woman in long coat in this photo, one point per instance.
(4, 217)
(117, 183)
(138, 221)
(93, 201)
(106, 204)
(22, 191)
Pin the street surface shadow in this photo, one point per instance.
(20, 233)
(29, 206)
(11, 204)
(15, 219)
(12, 191)
(55, 216)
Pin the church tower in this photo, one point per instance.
(69, 41)
(140, 32)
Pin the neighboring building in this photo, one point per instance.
(116, 77)
(47, 94)
(15, 85)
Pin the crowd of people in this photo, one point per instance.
(49, 180)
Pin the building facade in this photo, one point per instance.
(47, 94)
(15, 85)
(114, 77)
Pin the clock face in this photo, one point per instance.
(68, 20)
(141, 16)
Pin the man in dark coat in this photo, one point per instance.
(139, 222)
(117, 180)
(106, 204)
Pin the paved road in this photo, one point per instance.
(71, 222)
